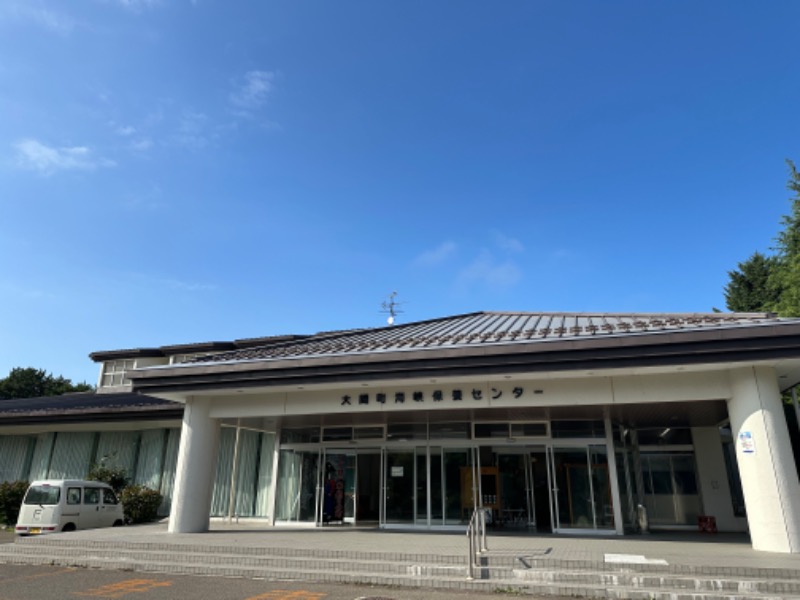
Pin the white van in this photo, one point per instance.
(52, 505)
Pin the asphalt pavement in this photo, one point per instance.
(22, 582)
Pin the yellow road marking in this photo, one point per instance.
(123, 588)
(40, 575)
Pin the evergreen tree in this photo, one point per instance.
(751, 288)
(31, 383)
(786, 275)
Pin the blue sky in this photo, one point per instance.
(176, 171)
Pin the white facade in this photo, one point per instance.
(552, 423)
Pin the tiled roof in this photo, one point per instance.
(482, 328)
(82, 403)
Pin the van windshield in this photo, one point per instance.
(43, 494)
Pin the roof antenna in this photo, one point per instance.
(390, 307)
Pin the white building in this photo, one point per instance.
(559, 423)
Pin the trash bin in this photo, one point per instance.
(642, 520)
(707, 524)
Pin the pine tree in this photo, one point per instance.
(786, 275)
(750, 288)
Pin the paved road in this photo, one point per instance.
(6, 536)
(22, 582)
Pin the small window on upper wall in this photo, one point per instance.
(114, 372)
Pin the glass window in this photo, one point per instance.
(368, 433)
(109, 497)
(449, 431)
(528, 430)
(660, 474)
(337, 434)
(664, 436)
(578, 429)
(407, 431)
(73, 495)
(43, 494)
(91, 496)
(300, 436)
(491, 430)
(735, 483)
(114, 372)
(683, 471)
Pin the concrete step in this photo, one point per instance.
(519, 560)
(500, 571)
(43, 543)
(367, 563)
(695, 584)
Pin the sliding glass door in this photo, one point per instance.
(581, 488)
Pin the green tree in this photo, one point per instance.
(31, 383)
(772, 283)
(752, 288)
(786, 275)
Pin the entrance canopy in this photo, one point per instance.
(421, 414)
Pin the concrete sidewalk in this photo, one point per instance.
(658, 566)
(693, 549)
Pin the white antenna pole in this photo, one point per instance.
(390, 307)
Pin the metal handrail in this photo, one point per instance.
(476, 532)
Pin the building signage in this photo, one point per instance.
(746, 443)
(418, 396)
(397, 471)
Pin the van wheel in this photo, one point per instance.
(68, 527)
(118, 523)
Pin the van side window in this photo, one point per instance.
(109, 497)
(91, 496)
(73, 495)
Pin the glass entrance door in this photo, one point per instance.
(429, 486)
(399, 487)
(338, 491)
(452, 479)
(517, 510)
(581, 489)
(298, 486)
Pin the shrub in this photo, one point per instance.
(140, 503)
(116, 477)
(11, 495)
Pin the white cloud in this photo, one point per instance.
(141, 144)
(189, 286)
(43, 17)
(486, 270)
(432, 258)
(136, 5)
(251, 93)
(125, 131)
(506, 243)
(192, 130)
(46, 160)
